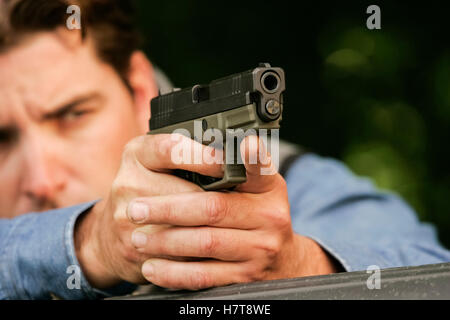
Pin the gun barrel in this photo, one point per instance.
(270, 82)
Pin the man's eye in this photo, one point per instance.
(73, 115)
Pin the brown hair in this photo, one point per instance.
(110, 23)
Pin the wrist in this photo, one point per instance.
(88, 251)
(316, 260)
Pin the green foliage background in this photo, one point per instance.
(377, 99)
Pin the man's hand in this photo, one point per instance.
(229, 237)
(103, 235)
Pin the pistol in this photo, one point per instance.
(251, 99)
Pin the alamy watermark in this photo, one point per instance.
(374, 280)
(374, 20)
(74, 279)
(74, 20)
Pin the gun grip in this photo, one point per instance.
(234, 173)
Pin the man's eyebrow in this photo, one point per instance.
(68, 106)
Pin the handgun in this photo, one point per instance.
(251, 99)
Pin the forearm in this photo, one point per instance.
(37, 251)
(355, 223)
(38, 259)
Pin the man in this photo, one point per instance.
(74, 110)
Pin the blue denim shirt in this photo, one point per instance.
(352, 220)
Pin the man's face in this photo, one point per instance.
(65, 117)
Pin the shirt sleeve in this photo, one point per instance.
(354, 222)
(38, 261)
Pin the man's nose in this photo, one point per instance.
(41, 180)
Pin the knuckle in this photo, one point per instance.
(272, 247)
(117, 187)
(216, 208)
(131, 147)
(200, 280)
(165, 212)
(208, 243)
(121, 189)
(253, 273)
(158, 243)
(129, 253)
(120, 219)
(281, 218)
(165, 144)
(165, 148)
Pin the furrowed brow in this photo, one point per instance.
(67, 107)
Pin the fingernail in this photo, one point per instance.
(138, 239)
(138, 211)
(148, 269)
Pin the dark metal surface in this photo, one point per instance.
(423, 282)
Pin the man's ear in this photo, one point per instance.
(142, 80)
